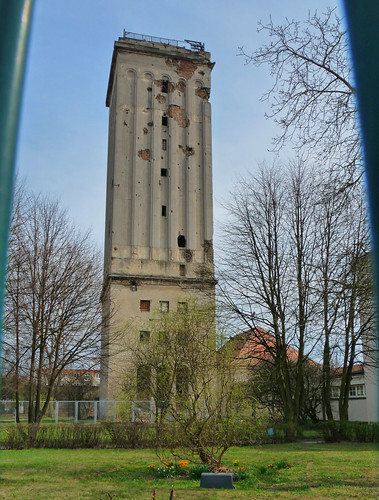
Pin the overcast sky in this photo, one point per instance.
(63, 136)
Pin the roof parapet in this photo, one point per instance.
(193, 45)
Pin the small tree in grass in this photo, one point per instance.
(201, 408)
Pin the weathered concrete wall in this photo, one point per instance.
(159, 218)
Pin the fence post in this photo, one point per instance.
(95, 413)
(133, 404)
(151, 412)
(76, 411)
(114, 411)
(56, 411)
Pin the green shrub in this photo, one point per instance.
(53, 436)
(196, 470)
(282, 464)
(331, 431)
(362, 432)
(284, 433)
(128, 434)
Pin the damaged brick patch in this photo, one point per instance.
(182, 67)
(144, 154)
(188, 151)
(181, 86)
(161, 99)
(170, 87)
(203, 92)
(178, 114)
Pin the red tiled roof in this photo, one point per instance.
(356, 369)
(253, 346)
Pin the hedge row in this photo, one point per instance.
(140, 435)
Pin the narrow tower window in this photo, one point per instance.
(165, 86)
(164, 121)
(163, 172)
(182, 270)
(181, 241)
(164, 210)
(164, 144)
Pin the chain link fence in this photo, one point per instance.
(81, 411)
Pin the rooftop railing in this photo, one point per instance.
(191, 44)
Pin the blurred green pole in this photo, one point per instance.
(363, 24)
(15, 17)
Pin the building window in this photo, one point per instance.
(144, 336)
(164, 211)
(162, 386)
(182, 270)
(144, 305)
(163, 172)
(182, 381)
(164, 144)
(97, 375)
(165, 86)
(182, 306)
(357, 391)
(143, 381)
(164, 306)
(181, 241)
(164, 121)
(335, 392)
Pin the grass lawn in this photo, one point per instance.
(343, 471)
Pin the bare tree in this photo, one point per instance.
(267, 276)
(295, 263)
(52, 308)
(312, 97)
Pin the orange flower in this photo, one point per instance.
(242, 468)
(151, 465)
(183, 463)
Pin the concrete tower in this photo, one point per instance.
(159, 222)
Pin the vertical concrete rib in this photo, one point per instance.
(132, 163)
(188, 201)
(173, 172)
(207, 173)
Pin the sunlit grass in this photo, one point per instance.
(317, 470)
